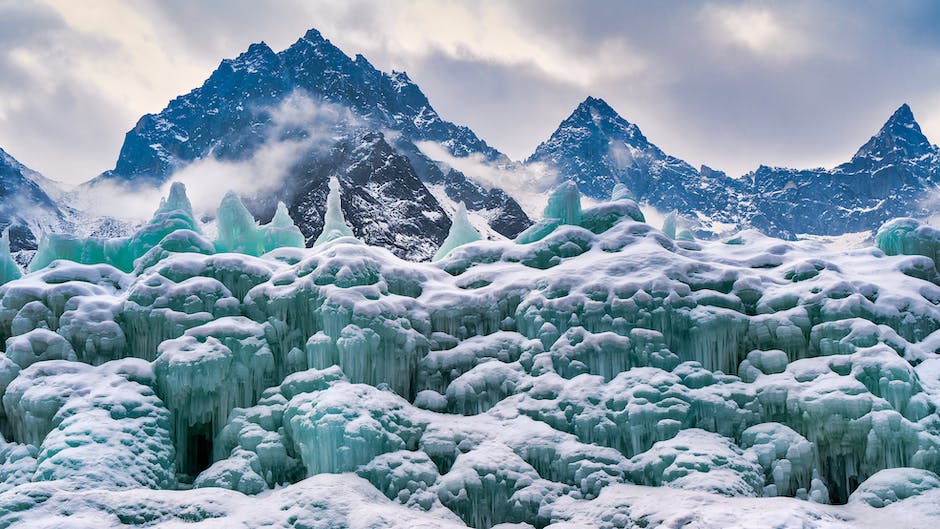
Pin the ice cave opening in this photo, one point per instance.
(198, 451)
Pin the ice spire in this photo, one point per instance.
(621, 192)
(177, 202)
(238, 231)
(670, 223)
(8, 268)
(564, 207)
(564, 204)
(461, 232)
(334, 225)
(281, 232)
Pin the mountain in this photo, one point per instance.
(382, 197)
(597, 148)
(252, 100)
(890, 176)
(26, 208)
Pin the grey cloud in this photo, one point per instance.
(697, 94)
(58, 125)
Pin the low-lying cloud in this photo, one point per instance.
(300, 125)
(529, 184)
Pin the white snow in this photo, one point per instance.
(601, 374)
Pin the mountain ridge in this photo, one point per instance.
(889, 176)
(235, 112)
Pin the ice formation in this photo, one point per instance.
(9, 270)
(334, 224)
(564, 208)
(593, 373)
(461, 232)
(173, 220)
(238, 231)
(281, 232)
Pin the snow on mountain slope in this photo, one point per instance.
(602, 374)
(894, 174)
(238, 111)
(26, 208)
(596, 148)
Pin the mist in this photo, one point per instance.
(300, 125)
(529, 184)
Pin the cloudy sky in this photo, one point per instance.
(728, 84)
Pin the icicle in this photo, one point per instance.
(461, 232)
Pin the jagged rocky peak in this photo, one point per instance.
(709, 172)
(258, 56)
(237, 111)
(591, 124)
(900, 137)
(597, 113)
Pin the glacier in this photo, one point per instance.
(594, 372)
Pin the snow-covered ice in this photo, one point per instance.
(595, 372)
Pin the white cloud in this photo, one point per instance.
(529, 184)
(133, 65)
(757, 29)
(207, 180)
(491, 31)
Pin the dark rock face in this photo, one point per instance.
(890, 176)
(382, 197)
(240, 107)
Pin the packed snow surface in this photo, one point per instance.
(595, 372)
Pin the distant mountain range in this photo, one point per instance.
(892, 175)
(343, 117)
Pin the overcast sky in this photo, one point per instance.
(727, 84)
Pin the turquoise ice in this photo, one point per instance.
(334, 224)
(461, 232)
(545, 381)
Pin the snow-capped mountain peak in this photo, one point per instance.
(597, 148)
(900, 136)
(242, 107)
(597, 113)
